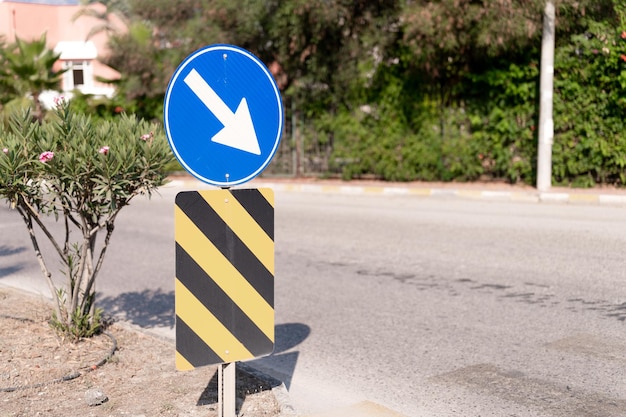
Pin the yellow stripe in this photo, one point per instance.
(373, 190)
(421, 191)
(470, 193)
(208, 327)
(583, 198)
(183, 364)
(268, 193)
(225, 275)
(330, 188)
(243, 225)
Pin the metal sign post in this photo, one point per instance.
(223, 117)
(227, 385)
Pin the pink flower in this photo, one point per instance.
(59, 100)
(104, 150)
(46, 156)
(5, 150)
(147, 136)
(623, 35)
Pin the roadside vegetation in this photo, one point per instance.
(79, 170)
(406, 90)
(398, 90)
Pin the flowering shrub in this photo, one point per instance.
(83, 173)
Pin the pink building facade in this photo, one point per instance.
(68, 35)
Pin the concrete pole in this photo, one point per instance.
(546, 123)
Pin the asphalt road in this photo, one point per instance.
(426, 306)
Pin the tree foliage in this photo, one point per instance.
(28, 69)
(83, 173)
(590, 145)
(422, 89)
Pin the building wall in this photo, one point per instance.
(29, 20)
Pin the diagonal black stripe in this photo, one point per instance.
(202, 286)
(227, 242)
(258, 207)
(192, 347)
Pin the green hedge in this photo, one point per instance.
(488, 126)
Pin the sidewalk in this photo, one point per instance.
(473, 190)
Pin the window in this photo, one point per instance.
(77, 74)
(77, 58)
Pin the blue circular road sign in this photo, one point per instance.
(223, 115)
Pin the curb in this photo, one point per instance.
(468, 191)
(531, 196)
(278, 389)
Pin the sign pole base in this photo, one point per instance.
(226, 387)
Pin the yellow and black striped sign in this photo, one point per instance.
(224, 276)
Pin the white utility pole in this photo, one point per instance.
(546, 123)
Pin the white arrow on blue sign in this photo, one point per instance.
(223, 115)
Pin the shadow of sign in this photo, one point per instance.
(248, 381)
(148, 308)
(7, 251)
(280, 363)
(155, 308)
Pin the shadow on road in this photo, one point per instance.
(148, 308)
(282, 364)
(7, 251)
(249, 380)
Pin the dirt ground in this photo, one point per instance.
(129, 373)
